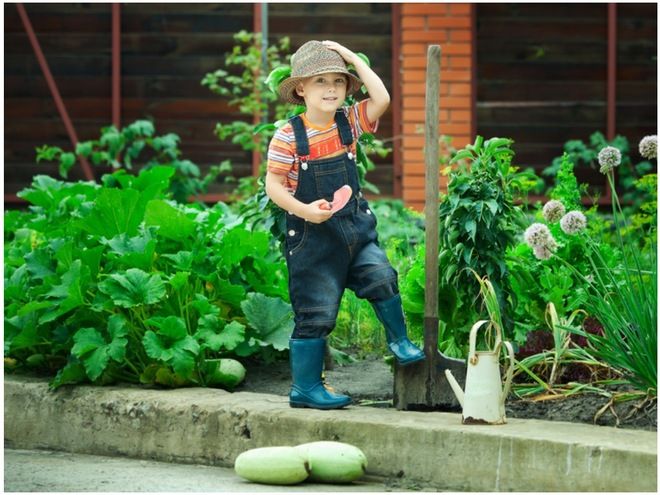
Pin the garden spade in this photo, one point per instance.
(423, 385)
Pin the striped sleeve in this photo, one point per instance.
(281, 151)
(357, 115)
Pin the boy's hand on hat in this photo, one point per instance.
(317, 211)
(345, 53)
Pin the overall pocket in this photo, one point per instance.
(296, 234)
(367, 213)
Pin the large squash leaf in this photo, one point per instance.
(270, 318)
(115, 212)
(171, 344)
(171, 223)
(133, 288)
(92, 348)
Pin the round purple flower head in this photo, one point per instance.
(573, 222)
(648, 146)
(553, 211)
(608, 158)
(537, 234)
(544, 252)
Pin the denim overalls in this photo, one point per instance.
(342, 252)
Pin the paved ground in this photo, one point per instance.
(47, 471)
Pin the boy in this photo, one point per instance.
(308, 160)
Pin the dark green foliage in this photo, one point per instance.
(116, 282)
(479, 220)
(584, 155)
(137, 146)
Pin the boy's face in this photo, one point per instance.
(324, 92)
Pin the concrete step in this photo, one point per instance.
(208, 426)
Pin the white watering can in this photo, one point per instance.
(483, 400)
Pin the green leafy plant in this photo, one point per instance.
(244, 83)
(478, 222)
(490, 301)
(116, 282)
(136, 145)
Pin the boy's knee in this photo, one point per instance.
(381, 285)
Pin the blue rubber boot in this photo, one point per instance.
(390, 314)
(308, 390)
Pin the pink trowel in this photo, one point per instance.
(340, 198)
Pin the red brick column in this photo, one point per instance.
(450, 26)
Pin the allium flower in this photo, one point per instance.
(544, 251)
(537, 234)
(648, 146)
(553, 211)
(573, 222)
(609, 157)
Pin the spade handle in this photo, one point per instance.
(432, 181)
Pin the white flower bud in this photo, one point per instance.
(553, 211)
(648, 147)
(608, 158)
(573, 222)
(537, 234)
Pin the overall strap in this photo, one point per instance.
(345, 132)
(300, 133)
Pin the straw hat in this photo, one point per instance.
(311, 59)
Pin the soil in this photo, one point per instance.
(370, 383)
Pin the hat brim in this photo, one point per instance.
(288, 93)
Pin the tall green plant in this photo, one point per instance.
(479, 219)
(244, 83)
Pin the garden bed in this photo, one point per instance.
(370, 383)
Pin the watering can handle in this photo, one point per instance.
(473, 340)
(509, 372)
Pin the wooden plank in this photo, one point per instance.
(541, 71)
(590, 30)
(517, 50)
(556, 11)
(197, 108)
(147, 21)
(431, 134)
(24, 86)
(521, 90)
(142, 43)
(326, 10)
(550, 115)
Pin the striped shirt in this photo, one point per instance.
(323, 143)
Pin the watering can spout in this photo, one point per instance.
(455, 386)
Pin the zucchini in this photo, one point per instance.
(272, 466)
(333, 462)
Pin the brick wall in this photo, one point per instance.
(450, 26)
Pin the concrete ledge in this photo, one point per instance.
(213, 426)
